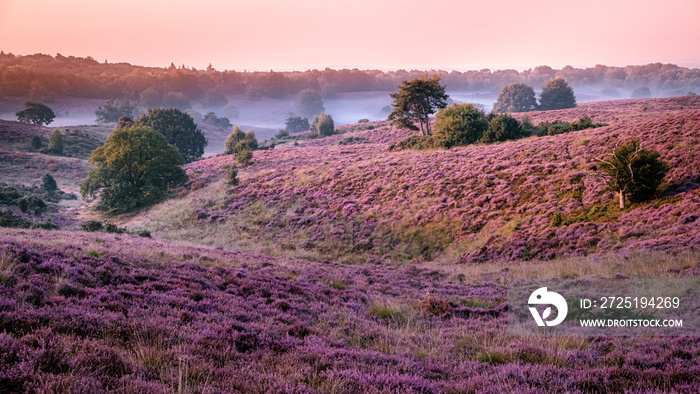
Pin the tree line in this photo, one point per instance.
(41, 77)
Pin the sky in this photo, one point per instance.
(285, 35)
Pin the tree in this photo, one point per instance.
(176, 100)
(36, 113)
(641, 92)
(557, 94)
(238, 140)
(459, 124)
(415, 101)
(179, 130)
(113, 110)
(309, 103)
(219, 122)
(125, 122)
(633, 171)
(134, 168)
(516, 97)
(323, 125)
(296, 124)
(48, 183)
(56, 142)
(502, 127)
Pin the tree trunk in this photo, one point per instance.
(622, 200)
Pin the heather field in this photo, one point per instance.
(348, 199)
(116, 313)
(343, 265)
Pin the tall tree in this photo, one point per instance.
(113, 110)
(415, 101)
(516, 97)
(135, 168)
(179, 129)
(557, 94)
(36, 113)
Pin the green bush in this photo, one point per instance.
(48, 183)
(92, 226)
(502, 127)
(459, 124)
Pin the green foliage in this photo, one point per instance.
(36, 113)
(238, 141)
(135, 168)
(459, 124)
(282, 134)
(633, 171)
(221, 123)
(23, 205)
(36, 142)
(92, 226)
(296, 124)
(244, 156)
(179, 130)
(560, 127)
(309, 103)
(415, 101)
(416, 142)
(516, 97)
(502, 127)
(231, 175)
(113, 110)
(124, 122)
(56, 142)
(323, 125)
(8, 219)
(557, 94)
(48, 183)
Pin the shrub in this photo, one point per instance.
(515, 97)
(502, 127)
(459, 124)
(144, 233)
(219, 122)
(48, 183)
(641, 92)
(231, 175)
(323, 125)
(113, 110)
(633, 171)
(244, 156)
(557, 94)
(296, 124)
(92, 226)
(238, 140)
(23, 205)
(36, 142)
(417, 142)
(56, 142)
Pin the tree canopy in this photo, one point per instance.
(297, 124)
(56, 142)
(415, 101)
(134, 168)
(501, 128)
(557, 94)
(113, 110)
(633, 171)
(459, 124)
(516, 97)
(309, 103)
(178, 129)
(36, 113)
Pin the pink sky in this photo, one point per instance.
(385, 34)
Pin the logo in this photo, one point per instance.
(543, 297)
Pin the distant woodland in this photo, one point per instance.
(42, 77)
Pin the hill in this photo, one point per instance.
(347, 198)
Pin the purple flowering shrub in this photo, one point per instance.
(123, 322)
(537, 198)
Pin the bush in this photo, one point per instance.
(296, 124)
(92, 226)
(416, 142)
(459, 124)
(231, 175)
(36, 142)
(633, 171)
(238, 141)
(557, 94)
(144, 233)
(502, 127)
(323, 125)
(48, 183)
(244, 156)
(515, 97)
(56, 142)
(219, 122)
(641, 92)
(113, 110)
(23, 205)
